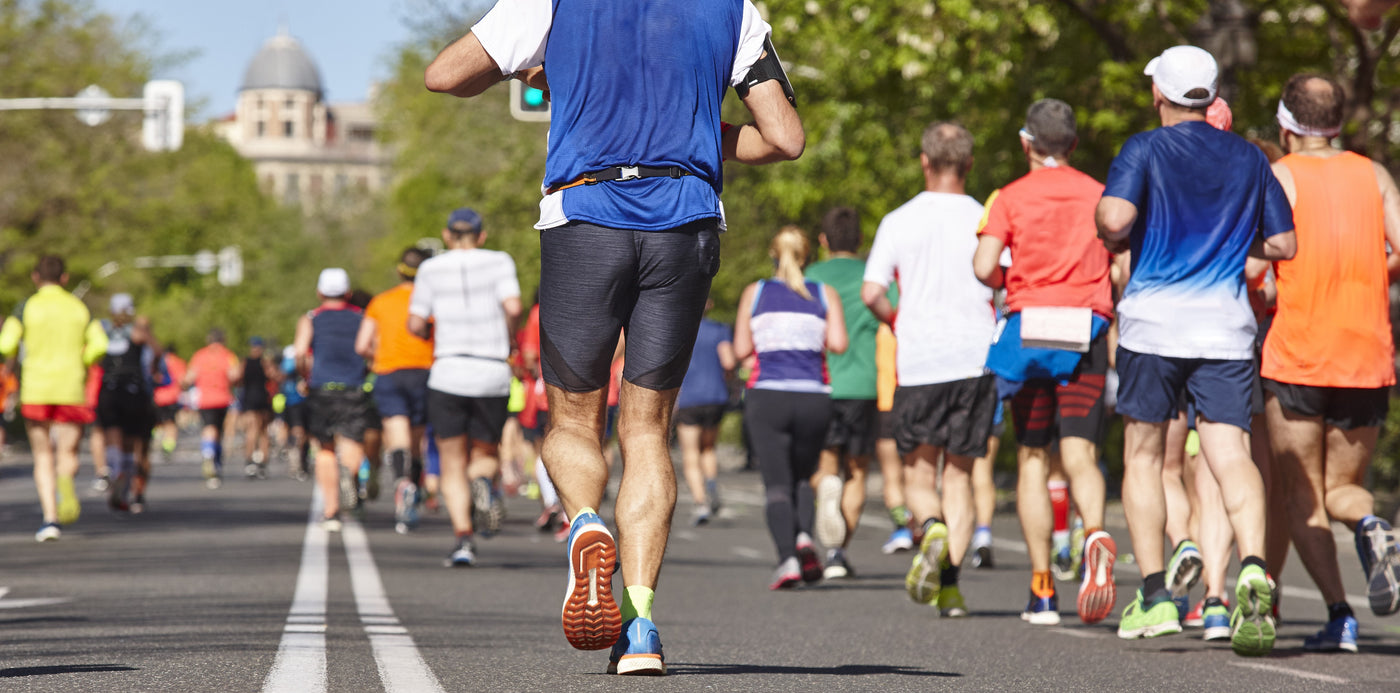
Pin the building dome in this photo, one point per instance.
(282, 63)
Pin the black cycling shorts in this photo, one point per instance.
(595, 281)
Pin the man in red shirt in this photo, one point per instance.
(1058, 279)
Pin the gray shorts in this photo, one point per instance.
(595, 281)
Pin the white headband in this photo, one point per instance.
(1287, 122)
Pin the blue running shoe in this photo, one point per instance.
(1183, 606)
(1042, 611)
(900, 539)
(1338, 636)
(1380, 559)
(1215, 619)
(591, 618)
(638, 651)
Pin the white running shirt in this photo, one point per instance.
(946, 319)
(461, 291)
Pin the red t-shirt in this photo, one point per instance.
(211, 366)
(1046, 219)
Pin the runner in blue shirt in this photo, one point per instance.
(1191, 201)
(629, 239)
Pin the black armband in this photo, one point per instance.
(768, 67)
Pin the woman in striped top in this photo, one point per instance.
(789, 324)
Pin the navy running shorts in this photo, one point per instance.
(1150, 387)
(403, 393)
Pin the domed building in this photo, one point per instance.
(306, 150)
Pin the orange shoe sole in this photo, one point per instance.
(592, 620)
(1098, 594)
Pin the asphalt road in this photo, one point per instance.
(201, 591)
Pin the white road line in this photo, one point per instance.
(300, 666)
(1276, 669)
(1074, 632)
(401, 666)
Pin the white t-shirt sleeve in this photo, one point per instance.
(514, 33)
(508, 286)
(751, 35)
(881, 263)
(420, 302)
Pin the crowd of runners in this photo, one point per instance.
(1228, 299)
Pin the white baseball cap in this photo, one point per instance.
(122, 304)
(1181, 69)
(334, 282)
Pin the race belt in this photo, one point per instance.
(619, 173)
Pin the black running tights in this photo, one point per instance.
(787, 430)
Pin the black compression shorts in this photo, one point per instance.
(595, 281)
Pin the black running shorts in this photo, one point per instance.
(956, 416)
(332, 413)
(480, 418)
(705, 416)
(852, 427)
(1346, 408)
(595, 281)
(131, 412)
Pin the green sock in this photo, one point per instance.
(584, 511)
(899, 516)
(636, 603)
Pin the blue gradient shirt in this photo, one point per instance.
(1203, 197)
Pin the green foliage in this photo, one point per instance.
(94, 196)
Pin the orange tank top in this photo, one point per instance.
(1333, 323)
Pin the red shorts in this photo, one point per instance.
(58, 413)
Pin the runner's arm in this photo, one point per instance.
(877, 300)
(986, 262)
(727, 360)
(836, 338)
(94, 343)
(10, 336)
(301, 344)
(1390, 203)
(1115, 217)
(743, 332)
(776, 133)
(367, 339)
(463, 69)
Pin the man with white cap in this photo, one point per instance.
(125, 404)
(1328, 362)
(1191, 202)
(337, 403)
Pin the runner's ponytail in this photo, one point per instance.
(789, 251)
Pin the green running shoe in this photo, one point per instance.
(924, 578)
(950, 602)
(1149, 620)
(1252, 625)
(68, 506)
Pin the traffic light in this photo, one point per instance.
(528, 103)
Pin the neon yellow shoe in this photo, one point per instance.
(68, 506)
(1142, 620)
(924, 578)
(951, 603)
(1252, 625)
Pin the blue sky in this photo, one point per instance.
(351, 41)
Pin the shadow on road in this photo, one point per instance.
(20, 672)
(681, 669)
